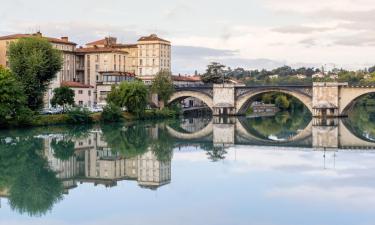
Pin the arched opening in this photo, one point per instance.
(245, 101)
(268, 103)
(362, 102)
(361, 116)
(192, 103)
(275, 117)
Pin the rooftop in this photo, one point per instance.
(74, 84)
(152, 37)
(62, 40)
(100, 50)
(186, 78)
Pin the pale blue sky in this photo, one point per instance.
(246, 33)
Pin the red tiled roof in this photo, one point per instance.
(125, 45)
(50, 39)
(98, 42)
(100, 50)
(118, 73)
(152, 37)
(74, 84)
(187, 78)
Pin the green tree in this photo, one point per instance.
(33, 186)
(132, 95)
(35, 63)
(282, 102)
(214, 74)
(12, 101)
(111, 113)
(62, 96)
(162, 85)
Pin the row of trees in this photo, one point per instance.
(219, 73)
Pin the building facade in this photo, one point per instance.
(154, 55)
(92, 64)
(68, 70)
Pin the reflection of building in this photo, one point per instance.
(94, 162)
(153, 173)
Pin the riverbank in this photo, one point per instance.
(62, 119)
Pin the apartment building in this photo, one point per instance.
(68, 71)
(154, 55)
(83, 93)
(93, 61)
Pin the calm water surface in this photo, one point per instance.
(288, 169)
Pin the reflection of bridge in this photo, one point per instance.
(313, 135)
(322, 99)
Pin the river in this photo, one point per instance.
(287, 169)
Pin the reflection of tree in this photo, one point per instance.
(162, 147)
(283, 124)
(33, 186)
(129, 141)
(63, 149)
(217, 153)
(362, 121)
(214, 153)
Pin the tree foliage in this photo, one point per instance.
(215, 74)
(12, 101)
(132, 95)
(282, 102)
(111, 113)
(35, 63)
(62, 96)
(162, 85)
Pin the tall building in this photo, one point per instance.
(68, 71)
(154, 55)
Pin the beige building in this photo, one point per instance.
(68, 71)
(95, 60)
(109, 79)
(154, 55)
(83, 93)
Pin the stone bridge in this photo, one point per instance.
(323, 99)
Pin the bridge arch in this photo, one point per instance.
(244, 101)
(206, 131)
(180, 95)
(350, 95)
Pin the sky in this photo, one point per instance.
(252, 34)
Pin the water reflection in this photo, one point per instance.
(38, 166)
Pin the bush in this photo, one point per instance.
(111, 113)
(79, 116)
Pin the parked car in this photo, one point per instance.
(51, 111)
(95, 109)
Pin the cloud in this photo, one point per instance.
(301, 29)
(187, 59)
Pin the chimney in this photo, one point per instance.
(65, 39)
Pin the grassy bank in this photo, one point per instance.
(61, 119)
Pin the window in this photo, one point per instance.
(89, 93)
(80, 103)
(80, 92)
(153, 62)
(140, 71)
(141, 62)
(97, 58)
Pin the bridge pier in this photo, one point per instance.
(224, 100)
(326, 96)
